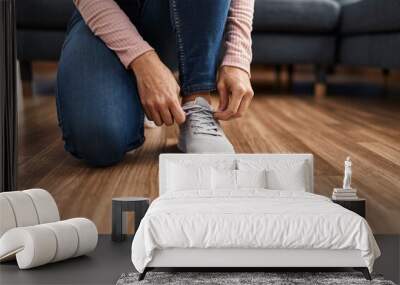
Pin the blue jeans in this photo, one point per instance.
(98, 106)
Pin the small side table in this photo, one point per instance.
(139, 205)
(356, 206)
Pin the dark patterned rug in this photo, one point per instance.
(243, 278)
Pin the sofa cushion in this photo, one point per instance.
(293, 16)
(369, 16)
(43, 14)
(39, 44)
(379, 50)
(293, 48)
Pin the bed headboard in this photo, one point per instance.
(232, 160)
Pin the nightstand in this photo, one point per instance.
(138, 205)
(357, 206)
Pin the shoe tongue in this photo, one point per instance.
(204, 124)
(200, 101)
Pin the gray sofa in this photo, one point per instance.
(41, 26)
(286, 32)
(369, 33)
(296, 32)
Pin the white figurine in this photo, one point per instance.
(347, 174)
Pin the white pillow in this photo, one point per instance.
(281, 174)
(226, 179)
(251, 178)
(183, 178)
(292, 179)
(223, 179)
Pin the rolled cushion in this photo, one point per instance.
(7, 220)
(23, 208)
(67, 240)
(33, 246)
(37, 245)
(27, 208)
(46, 207)
(87, 235)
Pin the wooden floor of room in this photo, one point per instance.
(365, 127)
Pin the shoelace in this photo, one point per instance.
(202, 120)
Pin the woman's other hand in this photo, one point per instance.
(158, 90)
(235, 93)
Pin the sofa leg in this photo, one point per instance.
(278, 75)
(319, 90)
(26, 70)
(331, 70)
(320, 87)
(143, 274)
(386, 74)
(365, 272)
(290, 71)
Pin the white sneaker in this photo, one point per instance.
(201, 133)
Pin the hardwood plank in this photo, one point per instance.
(383, 150)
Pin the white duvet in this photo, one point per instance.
(250, 219)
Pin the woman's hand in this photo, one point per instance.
(235, 93)
(158, 90)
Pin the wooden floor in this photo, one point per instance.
(365, 127)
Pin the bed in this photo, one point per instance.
(246, 211)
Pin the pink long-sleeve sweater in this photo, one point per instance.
(107, 21)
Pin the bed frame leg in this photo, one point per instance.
(143, 274)
(365, 272)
